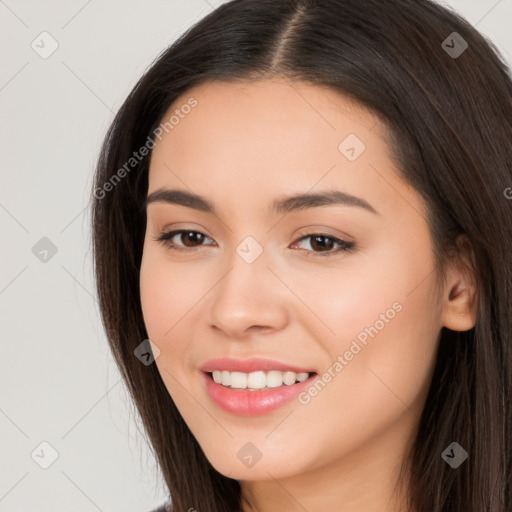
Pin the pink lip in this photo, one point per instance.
(252, 403)
(250, 365)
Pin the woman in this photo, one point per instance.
(303, 249)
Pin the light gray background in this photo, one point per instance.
(58, 382)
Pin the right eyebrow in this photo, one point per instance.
(181, 197)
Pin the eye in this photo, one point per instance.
(325, 243)
(193, 239)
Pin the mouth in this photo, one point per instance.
(255, 393)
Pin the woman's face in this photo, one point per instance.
(341, 285)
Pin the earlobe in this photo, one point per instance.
(459, 310)
(460, 293)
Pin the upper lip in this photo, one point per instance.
(250, 365)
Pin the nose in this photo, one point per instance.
(248, 298)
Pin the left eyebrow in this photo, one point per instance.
(285, 205)
(323, 198)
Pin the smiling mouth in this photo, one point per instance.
(259, 380)
(255, 393)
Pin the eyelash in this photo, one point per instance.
(344, 246)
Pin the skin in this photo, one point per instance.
(242, 147)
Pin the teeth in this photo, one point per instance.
(257, 380)
(238, 380)
(225, 378)
(289, 378)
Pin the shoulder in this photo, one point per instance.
(166, 507)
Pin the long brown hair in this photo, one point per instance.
(447, 101)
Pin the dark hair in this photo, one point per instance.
(449, 118)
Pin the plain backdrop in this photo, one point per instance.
(62, 403)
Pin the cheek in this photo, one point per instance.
(348, 297)
(383, 320)
(154, 295)
(378, 380)
(167, 293)
(167, 296)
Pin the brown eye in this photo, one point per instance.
(324, 245)
(321, 242)
(182, 239)
(189, 238)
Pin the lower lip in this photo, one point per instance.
(253, 403)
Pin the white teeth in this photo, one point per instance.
(257, 380)
(289, 378)
(274, 379)
(238, 380)
(226, 378)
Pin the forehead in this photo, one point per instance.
(264, 138)
(268, 106)
(263, 120)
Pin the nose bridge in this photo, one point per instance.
(247, 281)
(248, 294)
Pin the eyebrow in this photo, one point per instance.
(286, 205)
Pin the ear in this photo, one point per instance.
(460, 299)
